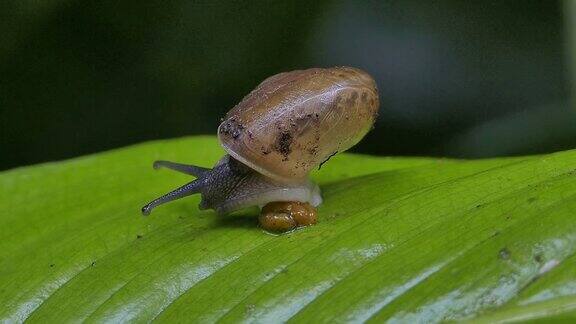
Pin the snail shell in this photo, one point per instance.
(294, 121)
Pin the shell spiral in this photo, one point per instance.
(294, 121)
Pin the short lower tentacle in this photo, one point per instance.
(184, 168)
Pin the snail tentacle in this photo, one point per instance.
(189, 169)
(181, 192)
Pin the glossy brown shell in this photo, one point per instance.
(294, 121)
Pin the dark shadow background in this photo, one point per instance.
(456, 78)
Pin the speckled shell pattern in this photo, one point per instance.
(294, 121)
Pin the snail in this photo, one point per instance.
(289, 125)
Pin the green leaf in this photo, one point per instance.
(399, 239)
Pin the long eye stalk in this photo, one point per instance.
(186, 190)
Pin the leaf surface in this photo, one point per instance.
(399, 239)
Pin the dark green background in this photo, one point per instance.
(457, 78)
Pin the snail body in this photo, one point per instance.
(290, 124)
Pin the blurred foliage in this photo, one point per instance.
(84, 76)
(570, 39)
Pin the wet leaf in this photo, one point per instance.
(399, 239)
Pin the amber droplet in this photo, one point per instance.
(277, 222)
(284, 216)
